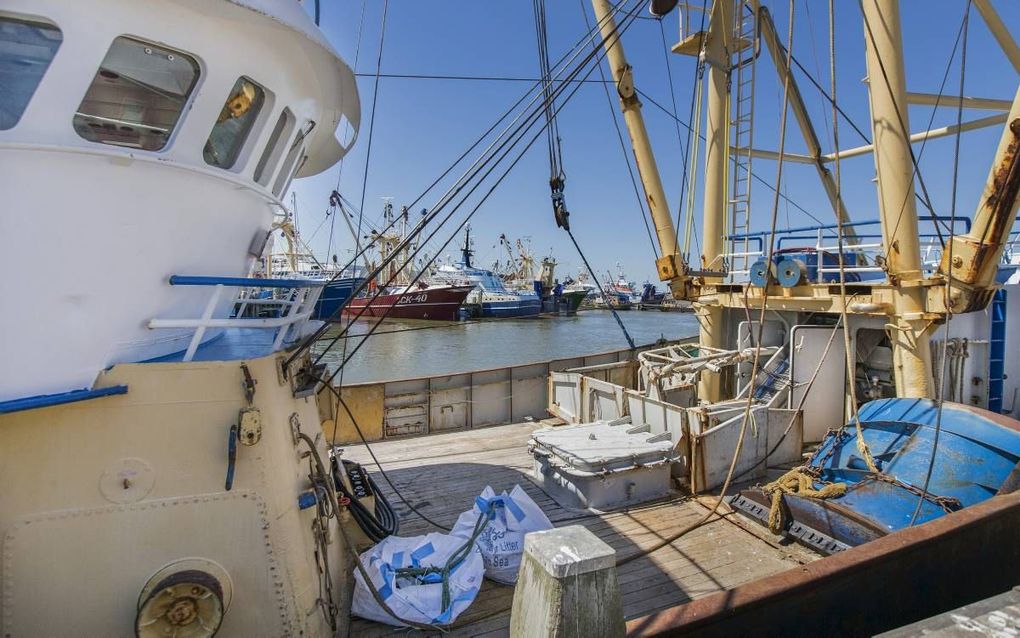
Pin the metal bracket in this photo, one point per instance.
(295, 428)
(708, 273)
(306, 379)
(249, 384)
(803, 534)
(250, 426)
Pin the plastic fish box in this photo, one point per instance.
(603, 465)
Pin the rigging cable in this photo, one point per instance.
(528, 124)
(848, 352)
(347, 129)
(949, 271)
(756, 362)
(460, 184)
(327, 382)
(454, 191)
(557, 175)
(623, 146)
(481, 78)
(368, 156)
(690, 177)
(688, 154)
(756, 176)
(903, 130)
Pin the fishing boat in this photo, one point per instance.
(817, 426)
(298, 261)
(582, 287)
(490, 297)
(436, 302)
(153, 443)
(196, 468)
(399, 291)
(619, 292)
(651, 299)
(519, 274)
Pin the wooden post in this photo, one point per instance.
(567, 587)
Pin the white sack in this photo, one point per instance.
(411, 600)
(502, 540)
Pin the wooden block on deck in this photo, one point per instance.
(567, 587)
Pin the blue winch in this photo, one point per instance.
(800, 265)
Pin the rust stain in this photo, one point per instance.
(1006, 185)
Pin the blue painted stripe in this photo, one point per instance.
(190, 280)
(997, 352)
(514, 508)
(47, 400)
(425, 550)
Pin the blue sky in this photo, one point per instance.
(421, 126)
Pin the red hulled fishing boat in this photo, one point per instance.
(438, 302)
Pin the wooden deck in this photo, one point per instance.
(441, 474)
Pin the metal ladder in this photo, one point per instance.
(744, 51)
(997, 352)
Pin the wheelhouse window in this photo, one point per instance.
(290, 166)
(274, 149)
(137, 96)
(234, 123)
(26, 50)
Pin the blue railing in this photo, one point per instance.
(253, 282)
(864, 246)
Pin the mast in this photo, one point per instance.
(714, 205)
(897, 210)
(671, 266)
(466, 252)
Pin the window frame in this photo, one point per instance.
(33, 20)
(293, 159)
(279, 140)
(242, 153)
(186, 105)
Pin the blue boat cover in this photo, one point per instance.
(977, 450)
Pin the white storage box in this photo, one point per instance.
(603, 465)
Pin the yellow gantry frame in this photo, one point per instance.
(909, 301)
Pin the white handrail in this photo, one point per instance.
(298, 309)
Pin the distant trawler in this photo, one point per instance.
(397, 293)
(490, 296)
(519, 274)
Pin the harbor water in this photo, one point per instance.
(406, 349)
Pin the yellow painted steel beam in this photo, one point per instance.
(670, 265)
(909, 329)
(953, 101)
(944, 131)
(1000, 32)
(973, 259)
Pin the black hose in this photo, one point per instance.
(377, 524)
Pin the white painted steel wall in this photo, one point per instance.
(93, 231)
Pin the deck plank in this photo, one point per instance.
(441, 474)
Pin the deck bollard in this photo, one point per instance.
(567, 587)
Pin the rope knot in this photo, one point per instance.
(799, 481)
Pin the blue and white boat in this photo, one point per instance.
(491, 297)
(299, 262)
